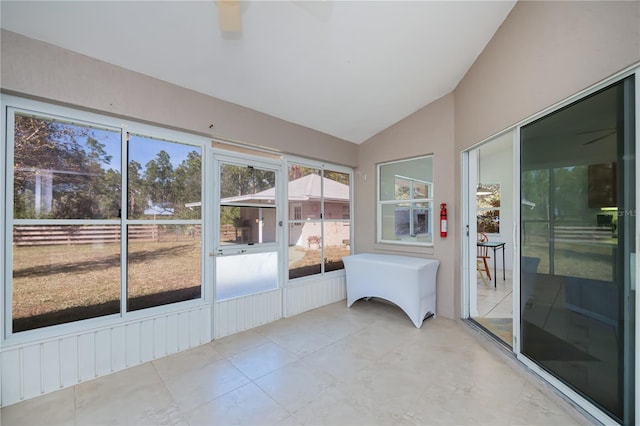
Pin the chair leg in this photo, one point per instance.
(484, 280)
(486, 267)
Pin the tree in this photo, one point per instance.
(342, 178)
(111, 187)
(296, 171)
(571, 194)
(135, 190)
(59, 170)
(158, 180)
(244, 180)
(535, 191)
(188, 183)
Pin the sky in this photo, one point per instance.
(141, 149)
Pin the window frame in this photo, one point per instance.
(411, 201)
(322, 167)
(12, 105)
(260, 164)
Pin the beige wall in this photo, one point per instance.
(543, 53)
(428, 131)
(33, 68)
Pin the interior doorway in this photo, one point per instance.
(490, 200)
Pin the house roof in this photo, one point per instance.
(346, 68)
(306, 188)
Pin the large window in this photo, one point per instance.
(164, 228)
(66, 202)
(405, 201)
(319, 219)
(80, 215)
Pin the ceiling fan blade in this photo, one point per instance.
(599, 138)
(229, 16)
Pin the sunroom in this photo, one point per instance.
(161, 192)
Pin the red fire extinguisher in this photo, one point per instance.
(443, 220)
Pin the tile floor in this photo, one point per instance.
(334, 365)
(495, 306)
(496, 302)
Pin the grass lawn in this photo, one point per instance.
(55, 278)
(583, 260)
(303, 261)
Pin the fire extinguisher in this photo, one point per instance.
(443, 220)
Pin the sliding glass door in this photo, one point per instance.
(577, 247)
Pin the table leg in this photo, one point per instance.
(495, 267)
(504, 276)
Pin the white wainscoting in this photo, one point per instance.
(40, 367)
(242, 313)
(313, 294)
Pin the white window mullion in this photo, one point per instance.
(6, 265)
(124, 218)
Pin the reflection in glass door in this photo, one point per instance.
(247, 250)
(577, 242)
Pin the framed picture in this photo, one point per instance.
(488, 208)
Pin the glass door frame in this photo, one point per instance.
(584, 403)
(468, 228)
(246, 160)
(470, 171)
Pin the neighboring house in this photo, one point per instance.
(304, 196)
(304, 205)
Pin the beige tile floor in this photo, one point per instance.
(496, 301)
(495, 306)
(364, 365)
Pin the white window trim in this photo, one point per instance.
(305, 162)
(380, 203)
(13, 104)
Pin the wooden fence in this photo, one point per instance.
(235, 234)
(95, 234)
(572, 234)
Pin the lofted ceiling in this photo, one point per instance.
(346, 68)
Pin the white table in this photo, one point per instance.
(408, 282)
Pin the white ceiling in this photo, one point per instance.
(349, 69)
